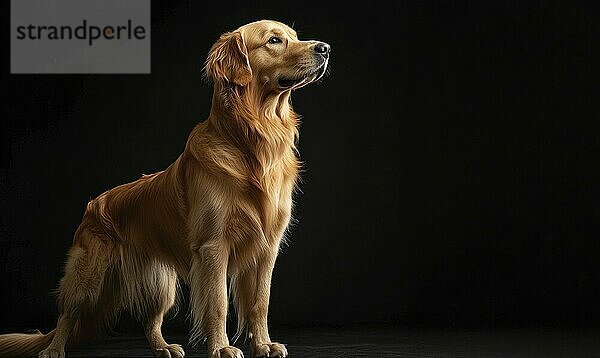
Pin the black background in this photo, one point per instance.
(451, 160)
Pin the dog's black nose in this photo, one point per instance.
(322, 48)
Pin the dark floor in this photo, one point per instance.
(392, 342)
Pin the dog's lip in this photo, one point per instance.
(286, 83)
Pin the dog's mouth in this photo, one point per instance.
(288, 82)
(310, 76)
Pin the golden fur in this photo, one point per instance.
(220, 210)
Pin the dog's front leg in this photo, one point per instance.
(208, 281)
(252, 292)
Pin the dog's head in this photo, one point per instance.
(267, 54)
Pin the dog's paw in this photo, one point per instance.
(52, 353)
(227, 352)
(269, 350)
(170, 351)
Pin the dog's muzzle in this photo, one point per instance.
(321, 50)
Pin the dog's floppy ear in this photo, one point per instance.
(228, 60)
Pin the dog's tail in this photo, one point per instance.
(24, 344)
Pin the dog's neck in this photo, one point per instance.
(261, 125)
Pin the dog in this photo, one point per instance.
(220, 211)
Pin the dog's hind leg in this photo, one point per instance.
(80, 287)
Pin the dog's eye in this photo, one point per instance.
(275, 40)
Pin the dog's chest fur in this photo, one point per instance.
(244, 202)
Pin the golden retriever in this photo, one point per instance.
(220, 210)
